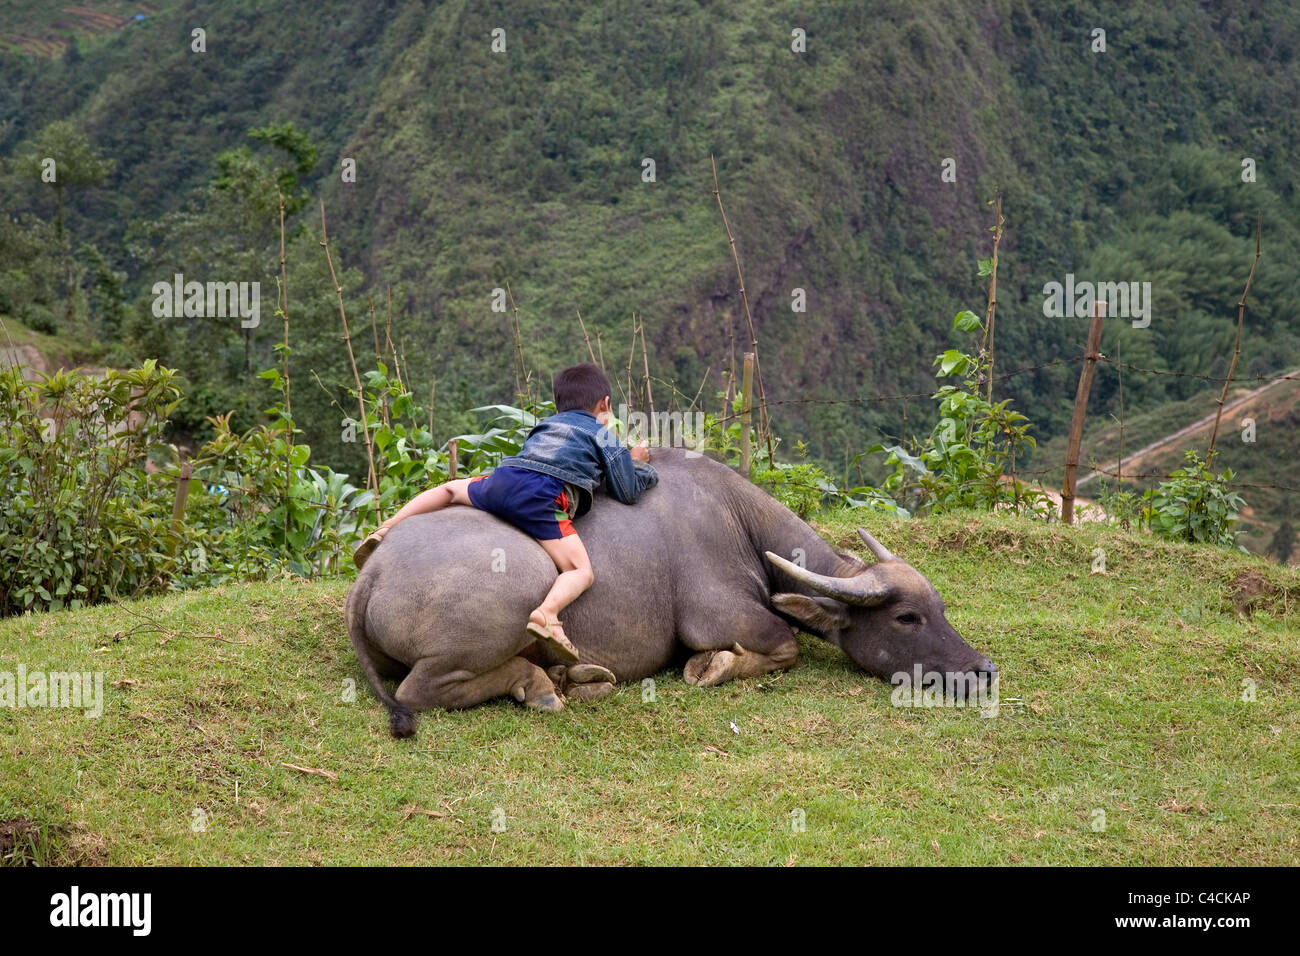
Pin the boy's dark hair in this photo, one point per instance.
(579, 386)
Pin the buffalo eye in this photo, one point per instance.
(908, 618)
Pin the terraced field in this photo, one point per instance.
(48, 30)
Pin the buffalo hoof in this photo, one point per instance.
(582, 681)
(547, 703)
(710, 668)
(588, 692)
(590, 674)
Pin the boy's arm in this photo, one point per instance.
(625, 479)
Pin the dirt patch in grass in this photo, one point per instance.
(25, 842)
(21, 843)
(996, 540)
(955, 540)
(1251, 590)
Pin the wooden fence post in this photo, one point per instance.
(182, 494)
(1090, 357)
(452, 451)
(747, 401)
(1236, 353)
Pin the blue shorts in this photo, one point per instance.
(536, 504)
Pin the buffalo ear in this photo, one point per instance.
(820, 614)
(850, 564)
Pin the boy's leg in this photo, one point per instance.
(573, 563)
(570, 557)
(449, 493)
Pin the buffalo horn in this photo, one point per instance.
(863, 589)
(879, 550)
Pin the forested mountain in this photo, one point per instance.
(527, 165)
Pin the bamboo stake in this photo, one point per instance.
(631, 393)
(182, 495)
(728, 397)
(993, 295)
(405, 384)
(391, 345)
(288, 439)
(747, 395)
(379, 357)
(374, 327)
(749, 318)
(1119, 370)
(730, 390)
(373, 478)
(586, 337)
(521, 375)
(1232, 368)
(284, 305)
(1080, 411)
(699, 391)
(645, 358)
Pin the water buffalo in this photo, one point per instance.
(704, 563)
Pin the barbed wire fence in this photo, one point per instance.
(1097, 471)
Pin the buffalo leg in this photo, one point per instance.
(767, 644)
(427, 686)
(585, 682)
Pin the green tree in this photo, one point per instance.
(60, 156)
(230, 230)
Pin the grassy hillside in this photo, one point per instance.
(475, 168)
(1122, 692)
(54, 351)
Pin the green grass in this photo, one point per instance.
(1130, 686)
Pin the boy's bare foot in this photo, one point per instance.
(552, 635)
(368, 546)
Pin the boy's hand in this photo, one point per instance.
(641, 452)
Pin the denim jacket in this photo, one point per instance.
(574, 447)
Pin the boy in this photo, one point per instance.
(549, 483)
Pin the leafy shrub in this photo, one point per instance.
(80, 518)
(1121, 506)
(509, 426)
(38, 318)
(804, 488)
(1195, 505)
(968, 460)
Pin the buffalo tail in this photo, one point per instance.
(400, 718)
